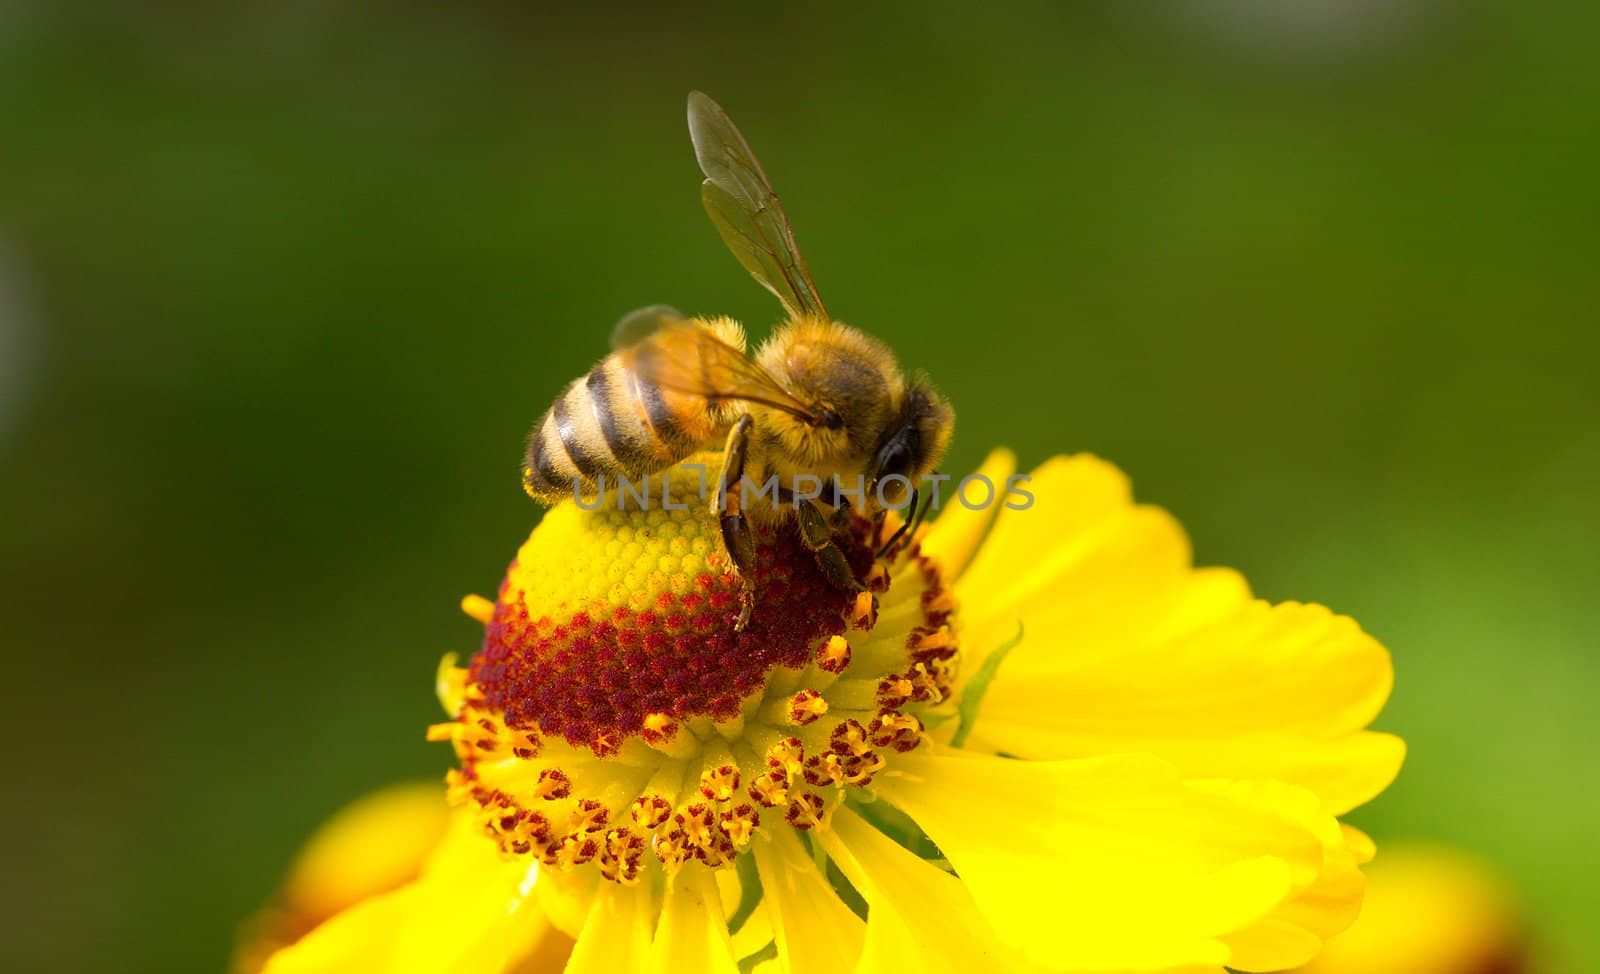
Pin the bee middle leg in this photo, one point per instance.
(817, 533)
(727, 504)
(839, 502)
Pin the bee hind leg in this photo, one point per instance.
(737, 538)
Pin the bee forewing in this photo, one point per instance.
(745, 209)
(685, 357)
(724, 156)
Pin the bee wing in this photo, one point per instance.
(745, 209)
(681, 356)
(635, 326)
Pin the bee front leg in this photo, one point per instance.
(727, 504)
(840, 502)
(816, 532)
(908, 525)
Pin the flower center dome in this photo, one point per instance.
(614, 717)
(599, 629)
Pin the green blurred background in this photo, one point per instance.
(286, 283)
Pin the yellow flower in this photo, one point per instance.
(359, 872)
(375, 844)
(1431, 910)
(1045, 742)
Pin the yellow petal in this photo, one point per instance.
(1104, 864)
(358, 939)
(692, 934)
(478, 915)
(373, 845)
(958, 531)
(755, 935)
(1430, 910)
(1359, 843)
(1078, 501)
(1272, 945)
(816, 933)
(468, 912)
(616, 936)
(1296, 929)
(566, 897)
(1128, 648)
(920, 919)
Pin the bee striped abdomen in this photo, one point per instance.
(608, 424)
(631, 443)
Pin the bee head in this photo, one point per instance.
(913, 444)
(869, 419)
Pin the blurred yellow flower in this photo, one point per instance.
(375, 844)
(1049, 743)
(1430, 909)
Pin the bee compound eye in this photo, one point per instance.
(897, 461)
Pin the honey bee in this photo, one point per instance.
(819, 401)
